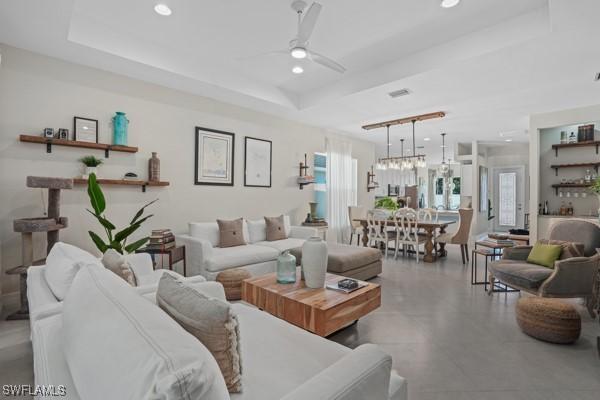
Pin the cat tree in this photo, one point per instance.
(51, 224)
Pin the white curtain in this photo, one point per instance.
(340, 190)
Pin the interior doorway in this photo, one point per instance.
(509, 197)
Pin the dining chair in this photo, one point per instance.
(356, 212)
(377, 229)
(407, 231)
(461, 236)
(428, 214)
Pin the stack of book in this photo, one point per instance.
(161, 239)
(500, 239)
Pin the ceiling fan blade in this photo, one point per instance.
(268, 53)
(309, 20)
(326, 62)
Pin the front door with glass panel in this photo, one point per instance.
(509, 197)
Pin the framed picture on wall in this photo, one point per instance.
(483, 189)
(214, 152)
(85, 129)
(257, 162)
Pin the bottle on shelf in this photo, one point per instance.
(570, 209)
(540, 209)
(562, 210)
(563, 137)
(588, 176)
(545, 211)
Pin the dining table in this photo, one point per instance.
(429, 227)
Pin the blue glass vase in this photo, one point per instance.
(120, 124)
(286, 268)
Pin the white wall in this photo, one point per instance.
(544, 121)
(38, 92)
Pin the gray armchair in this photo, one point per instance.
(570, 277)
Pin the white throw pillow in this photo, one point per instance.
(257, 230)
(62, 264)
(119, 345)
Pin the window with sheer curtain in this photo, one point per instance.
(341, 188)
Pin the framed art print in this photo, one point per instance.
(214, 157)
(257, 162)
(85, 130)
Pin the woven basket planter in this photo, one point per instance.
(548, 320)
(232, 282)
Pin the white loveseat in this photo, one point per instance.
(104, 327)
(259, 256)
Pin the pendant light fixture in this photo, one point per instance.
(402, 162)
(444, 168)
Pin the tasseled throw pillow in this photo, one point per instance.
(210, 320)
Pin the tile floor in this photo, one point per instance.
(454, 342)
(448, 338)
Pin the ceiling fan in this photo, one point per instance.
(299, 46)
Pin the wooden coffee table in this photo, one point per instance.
(320, 311)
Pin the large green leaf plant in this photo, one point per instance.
(117, 241)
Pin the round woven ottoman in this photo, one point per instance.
(548, 320)
(232, 282)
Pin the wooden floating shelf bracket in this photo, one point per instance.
(49, 142)
(594, 143)
(569, 185)
(123, 182)
(556, 167)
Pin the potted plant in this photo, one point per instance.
(91, 165)
(118, 240)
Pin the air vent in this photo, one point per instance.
(597, 78)
(399, 93)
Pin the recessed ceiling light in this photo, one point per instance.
(298, 52)
(163, 9)
(389, 144)
(443, 146)
(297, 69)
(508, 140)
(427, 139)
(449, 3)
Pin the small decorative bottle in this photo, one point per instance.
(572, 138)
(563, 137)
(154, 168)
(286, 268)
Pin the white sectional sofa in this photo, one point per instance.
(258, 256)
(96, 341)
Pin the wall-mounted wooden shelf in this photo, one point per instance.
(570, 185)
(577, 165)
(122, 182)
(595, 143)
(74, 143)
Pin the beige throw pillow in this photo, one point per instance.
(231, 233)
(275, 228)
(115, 262)
(569, 249)
(210, 320)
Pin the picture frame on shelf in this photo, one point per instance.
(85, 130)
(214, 157)
(258, 162)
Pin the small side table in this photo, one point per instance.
(492, 251)
(175, 255)
(321, 228)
